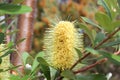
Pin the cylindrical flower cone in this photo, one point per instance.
(60, 43)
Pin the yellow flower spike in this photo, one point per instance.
(60, 43)
(5, 64)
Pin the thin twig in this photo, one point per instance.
(97, 46)
(90, 66)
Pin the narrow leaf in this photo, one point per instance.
(25, 55)
(104, 21)
(113, 43)
(2, 36)
(44, 67)
(102, 3)
(6, 8)
(68, 74)
(99, 37)
(90, 22)
(35, 62)
(79, 52)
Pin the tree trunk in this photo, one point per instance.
(25, 27)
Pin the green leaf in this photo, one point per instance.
(118, 2)
(17, 1)
(90, 22)
(7, 53)
(14, 77)
(25, 55)
(21, 40)
(114, 9)
(68, 74)
(11, 68)
(91, 50)
(79, 52)
(2, 36)
(35, 62)
(116, 24)
(26, 77)
(92, 77)
(113, 58)
(99, 37)
(44, 66)
(10, 44)
(57, 74)
(1, 70)
(87, 31)
(0, 60)
(102, 3)
(6, 8)
(113, 43)
(104, 21)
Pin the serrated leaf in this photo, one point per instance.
(90, 22)
(104, 21)
(44, 66)
(6, 8)
(102, 3)
(68, 74)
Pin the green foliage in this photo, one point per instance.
(90, 22)
(2, 36)
(99, 37)
(25, 55)
(35, 62)
(103, 3)
(92, 77)
(6, 8)
(44, 67)
(104, 21)
(68, 74)
(17, 1)
(111, 57)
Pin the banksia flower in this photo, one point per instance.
(60, 43)
(5, 64)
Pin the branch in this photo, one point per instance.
(90, 66)
(97, 46)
